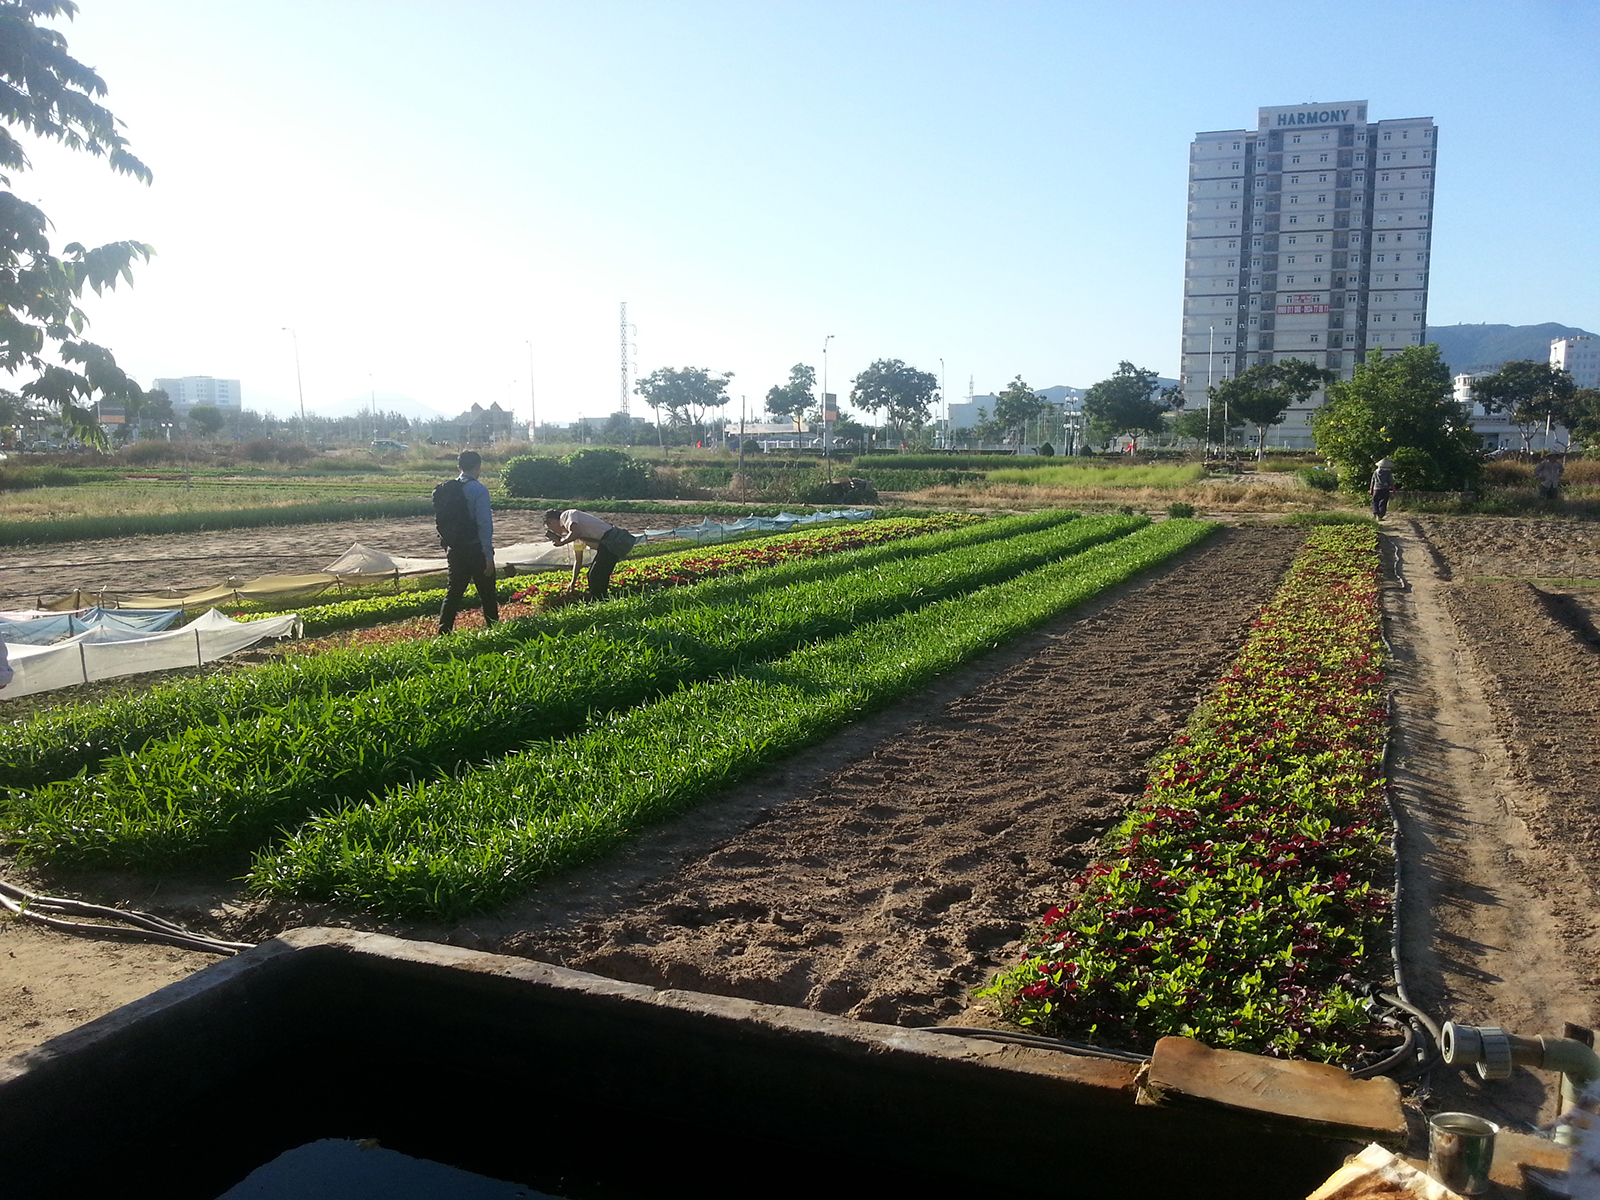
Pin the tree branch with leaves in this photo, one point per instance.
(45, 92)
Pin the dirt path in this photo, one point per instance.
(888, 884)
(189, 561)
(1498, 924)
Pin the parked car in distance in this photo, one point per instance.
(389, 444)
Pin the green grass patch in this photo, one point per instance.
(1155, 476)
(77, 529)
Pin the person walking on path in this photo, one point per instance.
(1381, 487)
(610, 545)
(466, 527)
(1548, 476)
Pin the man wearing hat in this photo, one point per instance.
(1381, 487)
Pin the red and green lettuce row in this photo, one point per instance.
(1243, 899)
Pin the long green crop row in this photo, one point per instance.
(446, 847)
(222, 787)
(64, 741)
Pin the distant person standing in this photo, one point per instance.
(610, 545)
(466, 527)
(1381, 487)
(1548, 476)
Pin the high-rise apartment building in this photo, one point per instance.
(1579, 357)
(192, 390)
(1309, 237)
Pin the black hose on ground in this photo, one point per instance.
(1038, 1042)
(134, 925)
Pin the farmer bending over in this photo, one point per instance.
(610, 545)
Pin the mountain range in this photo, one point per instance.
(1484, 347)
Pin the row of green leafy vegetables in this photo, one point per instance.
(1243, 900)
(223, 784)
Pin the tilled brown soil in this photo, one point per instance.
(1534, 646)
(890, 887)
(1513, 547)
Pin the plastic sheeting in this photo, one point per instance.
(42, 628)
(714, 531)
(108, 653)
(365, 566)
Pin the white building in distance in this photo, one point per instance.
(1309, 237)
(1578, 357)
(194, 390)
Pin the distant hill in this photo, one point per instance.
(1484, 347)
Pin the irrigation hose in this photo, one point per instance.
(1398, 1059)
(134, 925)
(1037, 1041)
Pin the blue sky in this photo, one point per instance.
(423, 190)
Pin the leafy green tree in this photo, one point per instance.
(1015, 407)
(1191, 425)
(688, 394)
(49, 94)
(1585, 424)
(901, 393)
(207, 417)
(1126, 404)
(1264, 394)
(1401, 402)
(1534, 393)
(795, 398)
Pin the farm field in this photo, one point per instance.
(898, 862)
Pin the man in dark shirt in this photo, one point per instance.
(471, 556)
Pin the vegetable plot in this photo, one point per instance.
(446, 847)
(224, 787)
(58, 744)
(1239, 903)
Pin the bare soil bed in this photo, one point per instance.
(1498, 686)
(891, 885)
(1513, 548)
(189, 561)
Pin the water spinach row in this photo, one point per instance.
(61, 742)
(446, 847)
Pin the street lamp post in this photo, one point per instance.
(533, 413)
(827, 445)
(1210, 353)
(945, 397)
(295, 338)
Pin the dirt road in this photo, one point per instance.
(1496, 721)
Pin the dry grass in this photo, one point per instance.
(130, 497)
(1247, 493)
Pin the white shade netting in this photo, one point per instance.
(106, 653)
